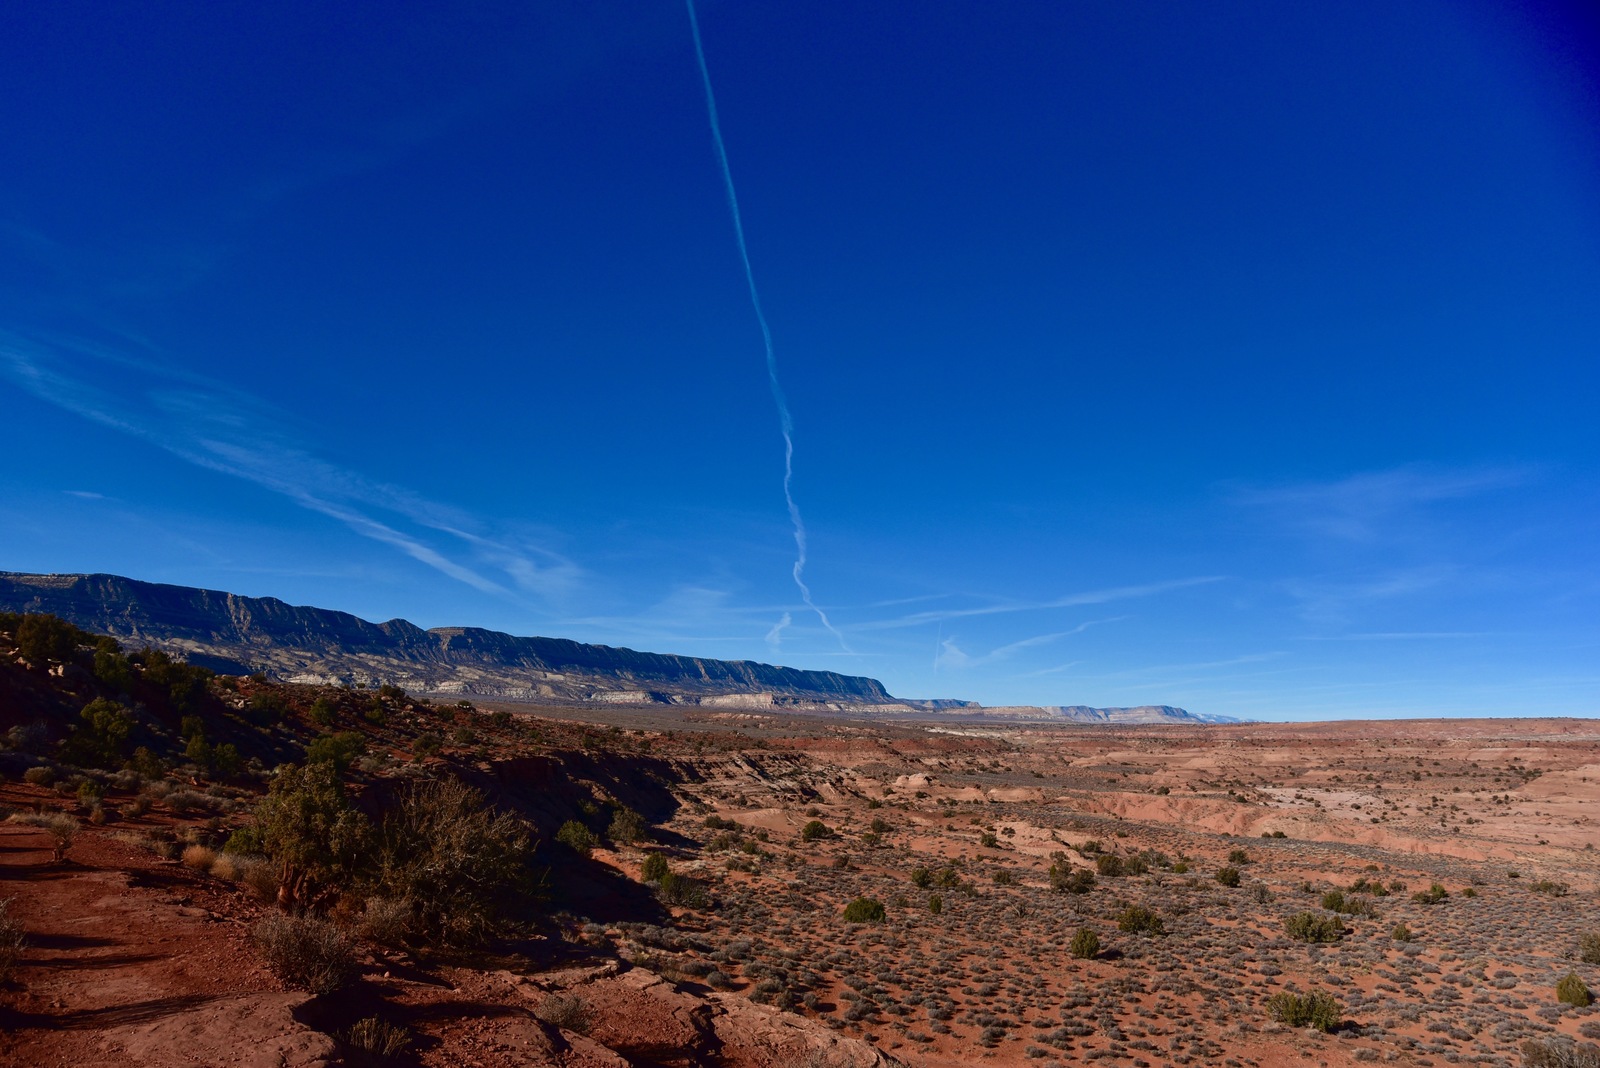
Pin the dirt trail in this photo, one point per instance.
(128, 961)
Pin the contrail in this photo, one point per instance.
(784, 419)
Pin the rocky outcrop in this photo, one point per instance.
(245, 634)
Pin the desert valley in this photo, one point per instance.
(772, 886)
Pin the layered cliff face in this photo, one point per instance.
(242, 635)
(237, 633)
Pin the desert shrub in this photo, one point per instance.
(1181, 868)
(322, 712)
(1004, 878)
(1135, 865)
(864, 910)
(1108, 864)
(102, 736)
(1589, 947)
(1549, 886)
(462, 864)
(43, 637)
(378, 1037)
(814, 830)
(1559, 1052)
(1238, 856)
(1136, 919)
(199, 858)
(310, 829)
(988, 840)
(427, 745)
(921, 877)
(1228, 876)
(304, 951)
(386, 920)
(341, 750)
(1400, 933)
(1085, 944)
(1309, 927)
(566, 1011)
(265, 707)
(935, 904)
(576, 837)
(63, 829)
(1574, 991)
(1333, 901)
(41, 775)
(1431, 896)
(1070, 880)
(627, 827)
(1315, 1009)
(12, 940)
(186, 801)
(675, 889)
(245, 842)
(653, 868)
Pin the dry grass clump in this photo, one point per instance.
(378, 1037)
(304, 951)
(566, 1011)
(1589, 947)
(199, 857)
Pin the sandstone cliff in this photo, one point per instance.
(246, 634)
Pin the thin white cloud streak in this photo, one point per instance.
(953, 656)
(775, 635)
(1397, 636)
(1075, 600)
(220, 429)
(1370, 506)
(785, 421)
(1331, 603)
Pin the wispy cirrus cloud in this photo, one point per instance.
(952, 656)
(219, 428)
(1372, 505)
(1333, 601)
(1073, 600)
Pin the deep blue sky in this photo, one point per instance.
(1236, 356)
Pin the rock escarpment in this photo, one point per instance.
(245, 634)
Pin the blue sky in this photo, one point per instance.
(1235, 356)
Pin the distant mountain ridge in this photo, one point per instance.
(241, 635)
